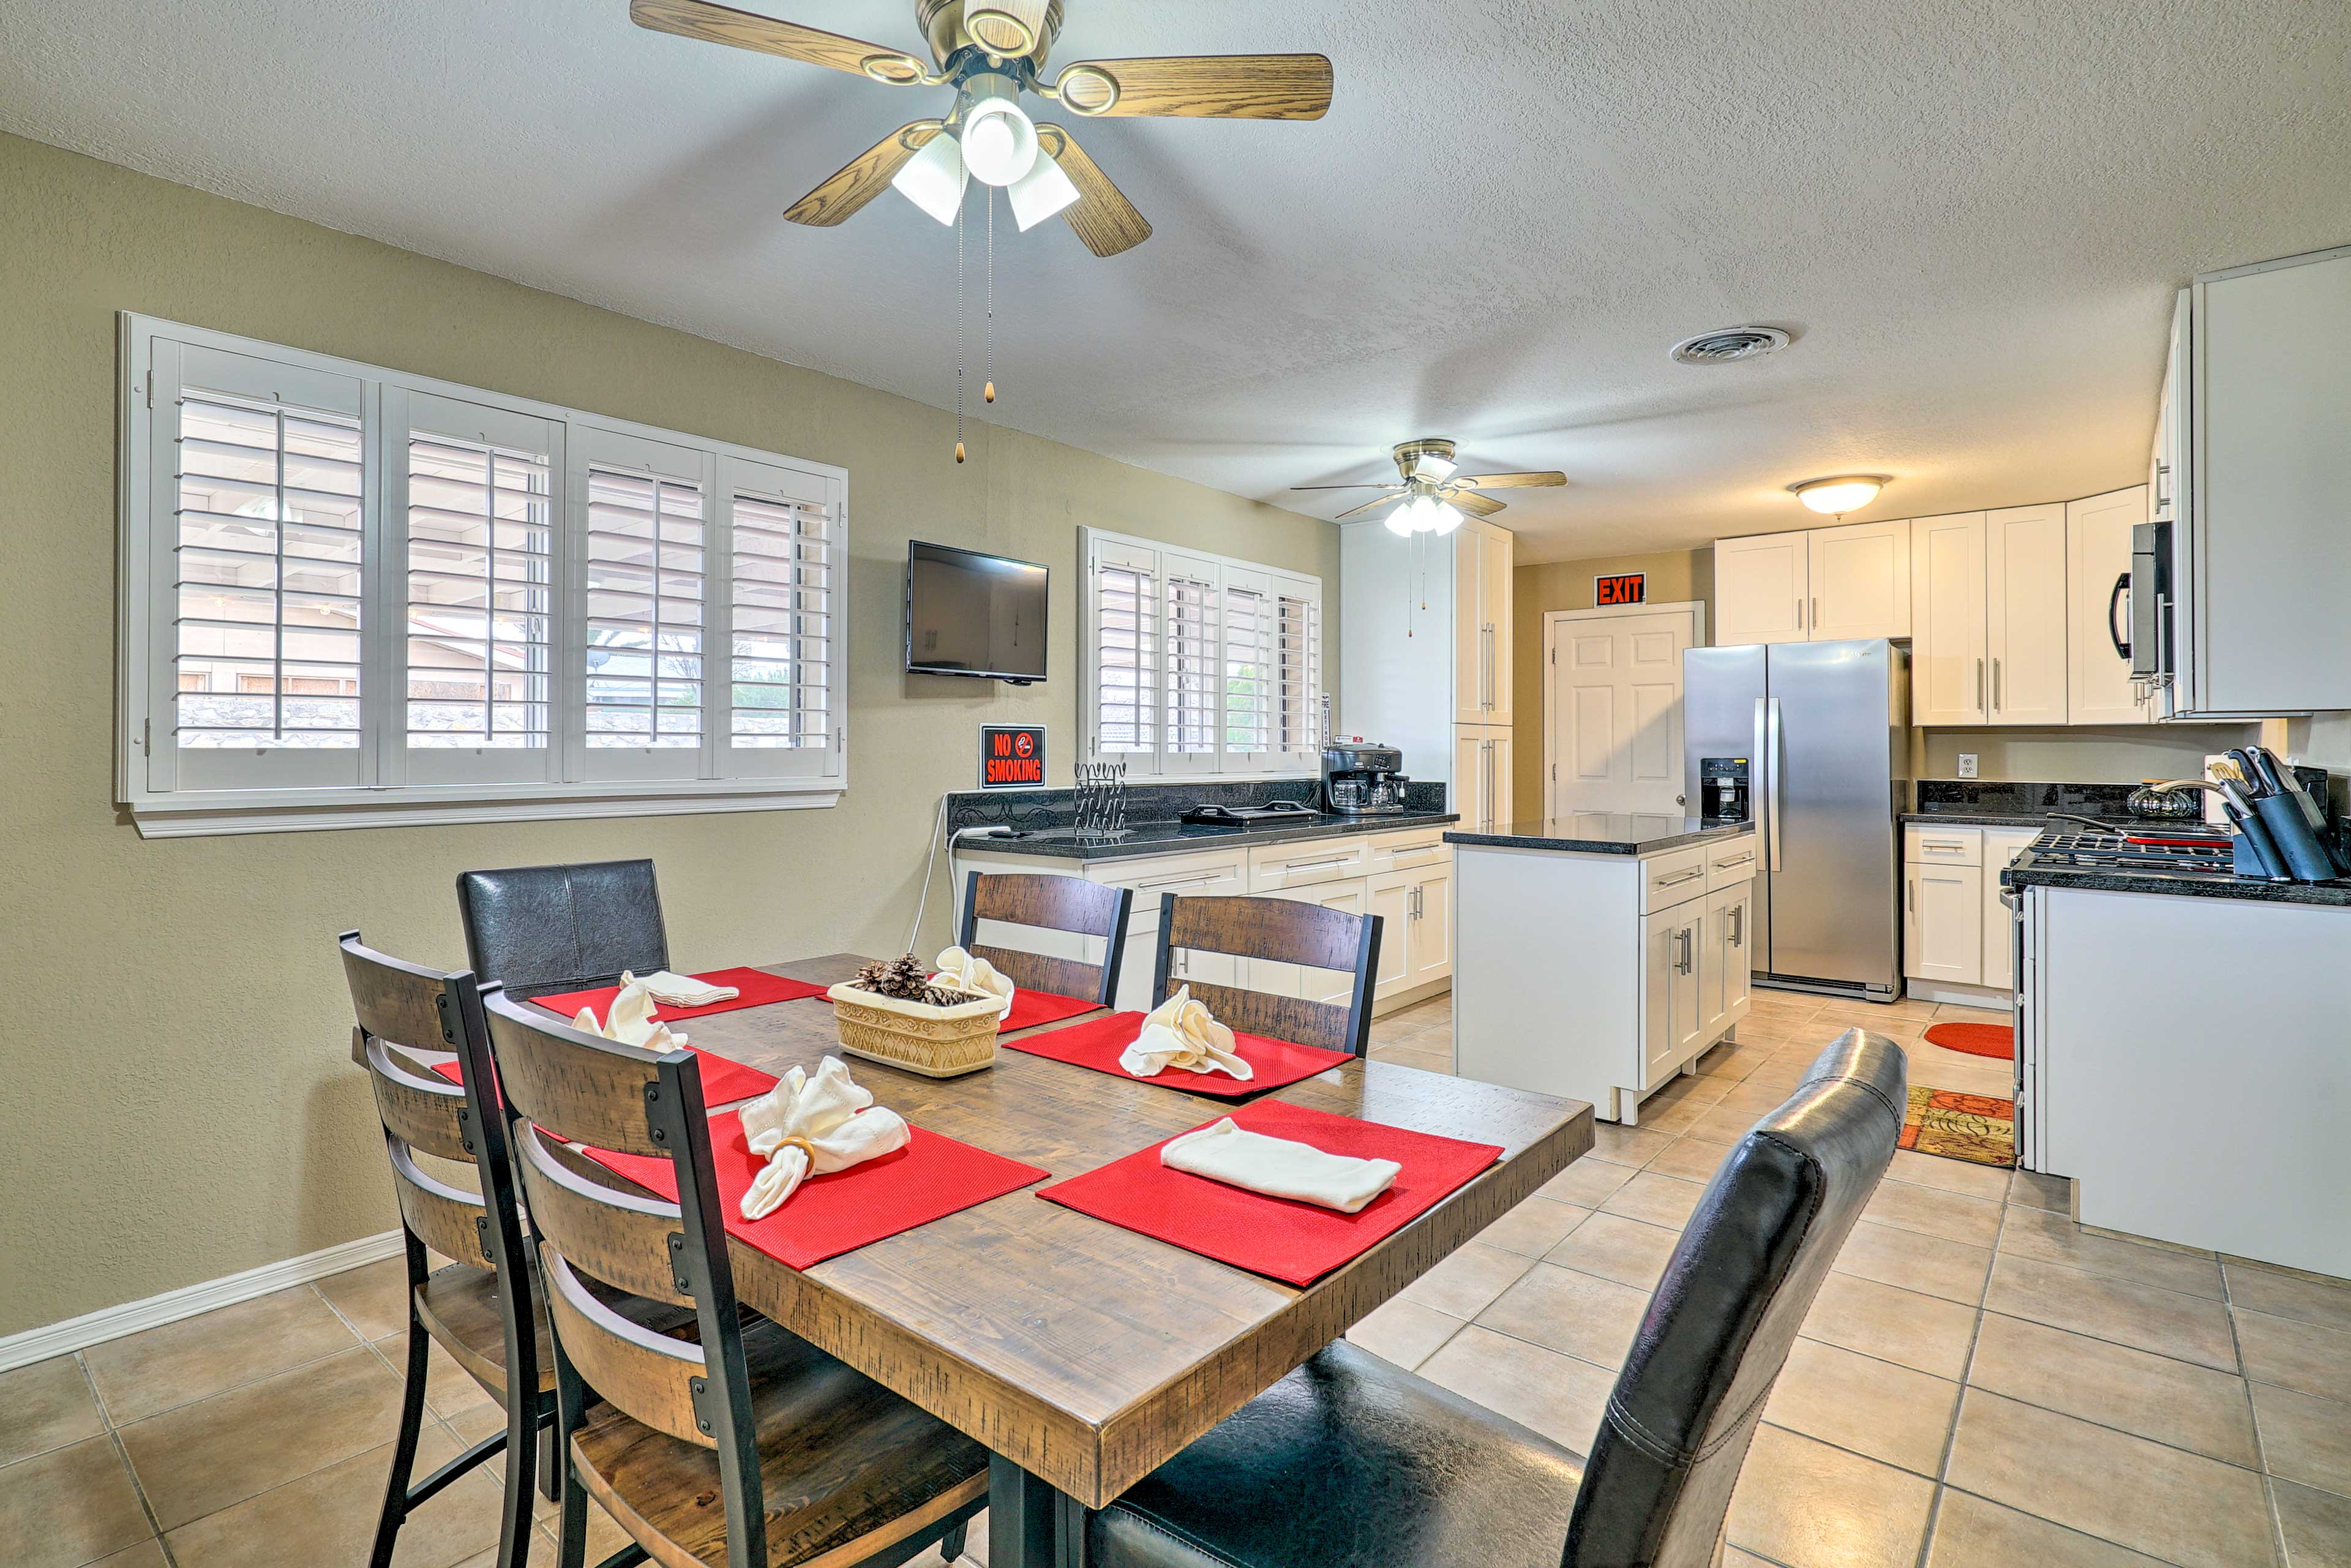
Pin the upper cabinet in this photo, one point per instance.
(1951, 673)
(2098, 685)
(1814, 585)
(1988, 618)
(1482, 561)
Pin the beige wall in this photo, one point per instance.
(2125, 755)
(180, 1104)
(1675, 576)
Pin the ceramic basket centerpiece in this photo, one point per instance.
(892, 1014)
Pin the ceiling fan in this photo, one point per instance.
(1434, 492)
(991, 52)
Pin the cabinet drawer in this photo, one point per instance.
(1923, 845)
(1191, 876)
(1407, 851)
(1732, 862)
(1276, 867)
(1668, 879)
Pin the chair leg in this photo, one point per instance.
(951, 1544)
(571, 1523)
(550, 1475)
(523, 1452)
(412, 1422)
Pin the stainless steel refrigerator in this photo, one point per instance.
(1823, 728)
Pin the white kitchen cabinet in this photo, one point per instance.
(1860, 582)
(1814, 585)
(1482, 560)
(1481, 774)
(2001, 845)
(1430, 954)
(1592, 976)
(1948, 678)
(2024, 614)
(2098, 685)
(1389, 896)
(1943, 924)
(1763, 587)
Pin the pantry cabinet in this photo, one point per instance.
(2098, 685)
(1483, 557)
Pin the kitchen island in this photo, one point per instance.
(1596, 956)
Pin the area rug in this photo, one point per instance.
(1994, 1040)
(1976, 1128)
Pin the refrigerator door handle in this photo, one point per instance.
(1771, 780)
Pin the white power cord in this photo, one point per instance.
(931, 865)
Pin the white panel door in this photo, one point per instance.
(1390, 896)
(1432, 925)
(2098, 685)
(1762, 588)
(1943, 923)
(1949, 683)
(1861, 581)
(1616, 712)
(2025, 585)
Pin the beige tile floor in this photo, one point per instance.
(1980, 1384)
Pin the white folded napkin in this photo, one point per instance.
(680, 990)
(962, 971)
(1279, 1167)
(818, 1124)
(630, 1019)
(1180, 1033)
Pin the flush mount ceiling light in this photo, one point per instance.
(1725, 344)
(1836, 496)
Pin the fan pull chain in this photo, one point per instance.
(988, 392)
(958, 227)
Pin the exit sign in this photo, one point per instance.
(1011, 755)
(1632, 587)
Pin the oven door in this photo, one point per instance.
(2150, 602)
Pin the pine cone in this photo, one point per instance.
(907, 977)
(874, 977)
(941, 997)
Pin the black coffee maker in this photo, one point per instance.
(1363, 780)
(1722, 788)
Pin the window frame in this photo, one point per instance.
(148, 777)
(1165, 563)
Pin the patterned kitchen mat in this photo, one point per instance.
(1976, 1128)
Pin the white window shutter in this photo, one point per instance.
(640, 518)
(1298, 669)
(784, 552)
(1248, 688)
(1191, 599)
(1123, 662)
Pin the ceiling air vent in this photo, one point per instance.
(1719, 348)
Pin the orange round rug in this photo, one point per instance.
(1976, 1039)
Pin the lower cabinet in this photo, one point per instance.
(1695, 977)
(1956, 935)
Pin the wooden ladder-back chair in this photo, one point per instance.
(491, 1332)
(1054, 903)
(1284, 930)
(812, 1461)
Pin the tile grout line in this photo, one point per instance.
(2253, 1413)
(1942, 1477)
(138, 1487)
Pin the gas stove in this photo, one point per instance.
(2175, 851)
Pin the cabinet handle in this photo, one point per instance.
(1800, 615)
(1685, 876)
(1314, 865)
(1911, 895)
(1995, 685)
(1816, 612)
(1979, 692)
(1940, 845)
(1686, 938)
(1738, 926)
(1178, 882)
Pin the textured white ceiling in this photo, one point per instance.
(1971, 214)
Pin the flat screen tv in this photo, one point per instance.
(974, 614)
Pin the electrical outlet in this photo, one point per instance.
(1967, 764)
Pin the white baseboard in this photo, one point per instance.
(113, 1322)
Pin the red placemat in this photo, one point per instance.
(759, 988)
(933, 1176)
(1097, 1045)
(1030, 1009)
(1280, 1237)
(723, 1082)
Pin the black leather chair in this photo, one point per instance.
(550, 928)
(1350, 1462)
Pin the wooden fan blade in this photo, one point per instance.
(1007, 27)
(862, 178)
(1346, 486)
(1475, 504)
(1222, 87)
(1102, 215)
(1367, 507)
(1513, 481)
(717, 23)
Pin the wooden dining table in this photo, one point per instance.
(1083, 1356)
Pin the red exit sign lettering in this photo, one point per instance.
(1011, 755)
(1632, 587)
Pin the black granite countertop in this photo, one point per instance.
(1603, 833)
(2023, 873)
(1176, 838)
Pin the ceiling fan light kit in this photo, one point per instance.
(1843, 493)
(1040, 194)
(1433, 490)
(935, 178)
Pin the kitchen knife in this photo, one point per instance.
(2282, 781)
(2257, 837)
(2247, 772)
